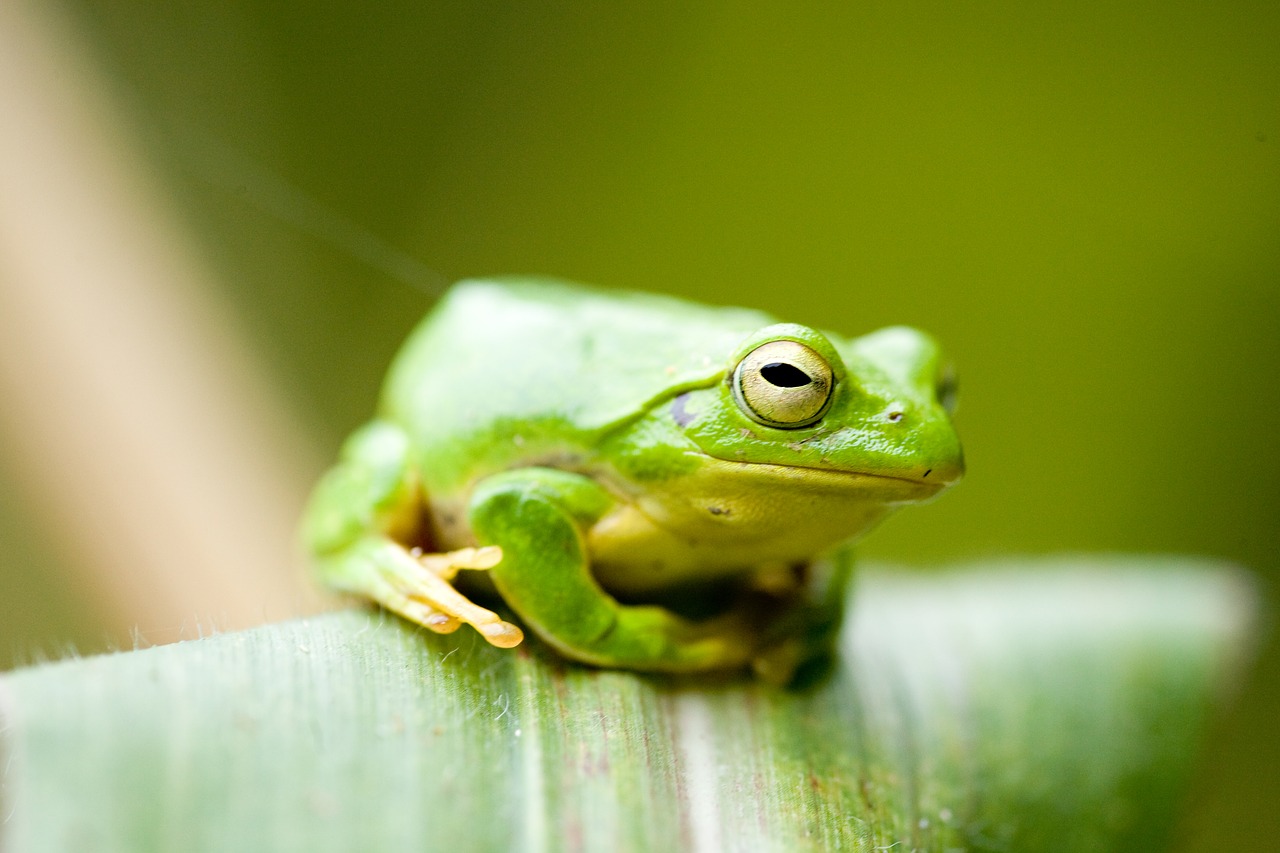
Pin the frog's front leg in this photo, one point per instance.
(539, 516)
(358, 520)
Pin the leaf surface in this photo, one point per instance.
(1035, 704)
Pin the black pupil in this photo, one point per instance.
(784, 375)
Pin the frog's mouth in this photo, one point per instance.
(876, 485)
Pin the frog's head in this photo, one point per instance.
(873, 413)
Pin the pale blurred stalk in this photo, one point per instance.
(134, 416)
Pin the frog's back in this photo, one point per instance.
(510, 367)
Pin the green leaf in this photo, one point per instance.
(1030, 705)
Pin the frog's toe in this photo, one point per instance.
(481, 558)
(442, 623)
(447, 565)
(416, 611)
(504, 635)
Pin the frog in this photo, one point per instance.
(644, 482)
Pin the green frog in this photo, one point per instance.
(647, 483)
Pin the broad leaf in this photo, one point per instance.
(1032, 705)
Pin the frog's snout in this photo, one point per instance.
(936, 446)
(944, 473)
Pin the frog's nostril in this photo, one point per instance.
(894, 416)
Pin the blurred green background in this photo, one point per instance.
(1082, 201)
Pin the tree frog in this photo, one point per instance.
(646, 482)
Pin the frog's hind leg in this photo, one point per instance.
(360, 515)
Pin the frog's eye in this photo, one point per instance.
(783, 384)
(945, 389)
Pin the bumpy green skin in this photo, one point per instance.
(595, 438)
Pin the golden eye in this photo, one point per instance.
(783, 384)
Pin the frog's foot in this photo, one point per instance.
(804, 627)
(776, 579)
(778, 663)
(417, 587)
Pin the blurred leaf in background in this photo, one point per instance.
(1083, 203)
